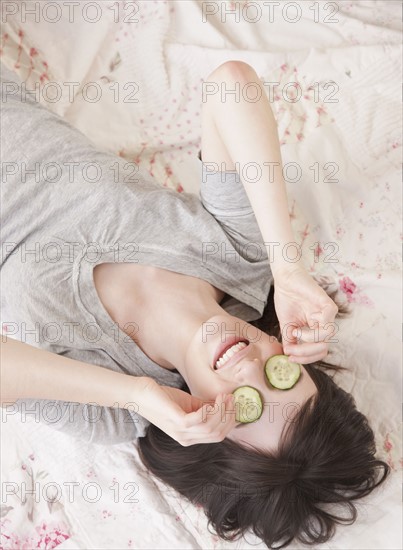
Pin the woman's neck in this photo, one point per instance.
(174, 306)
(167, 307)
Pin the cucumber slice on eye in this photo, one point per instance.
(282, 373)
(248, 404)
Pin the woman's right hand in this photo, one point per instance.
(184, 417)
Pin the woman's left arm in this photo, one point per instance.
(249, 131)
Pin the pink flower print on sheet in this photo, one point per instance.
(352, 293)
(300, 106)
(91, 472)
(4, 39)
(50, 536)
(106, 514)
(348, 287)
(47, 535)
(21, 37)
(390, 449)
(27, 59)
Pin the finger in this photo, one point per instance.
(206, 433)
(226, 418)
(314, 334)
(229, 421)
(306, 360)
(230, 414)
(197, 403)
(220, 423)
(207, 413)
(327, 313)
(300, 350)
(210, 431)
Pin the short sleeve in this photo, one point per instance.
(90, 423)
(223, 195)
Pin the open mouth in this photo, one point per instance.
(227, 351)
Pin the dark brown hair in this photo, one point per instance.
(326, 456)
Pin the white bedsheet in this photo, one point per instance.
(168, 53)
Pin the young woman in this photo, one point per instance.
(100, 269)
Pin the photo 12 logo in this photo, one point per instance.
(66, 491)
(70, 12)
(251, 92)
(270, 12)
(53, 92)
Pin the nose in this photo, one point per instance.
(250, 371)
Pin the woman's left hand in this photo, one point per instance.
(306, 314)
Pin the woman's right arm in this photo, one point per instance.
(32, 373)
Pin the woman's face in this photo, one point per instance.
(245, 367)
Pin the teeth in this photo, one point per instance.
(229, 353)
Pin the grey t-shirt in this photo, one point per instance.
(67, 207)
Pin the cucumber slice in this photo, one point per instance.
(282, 373)
(248, 404)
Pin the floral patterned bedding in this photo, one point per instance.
(343, 185)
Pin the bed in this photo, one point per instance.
(332, 69)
